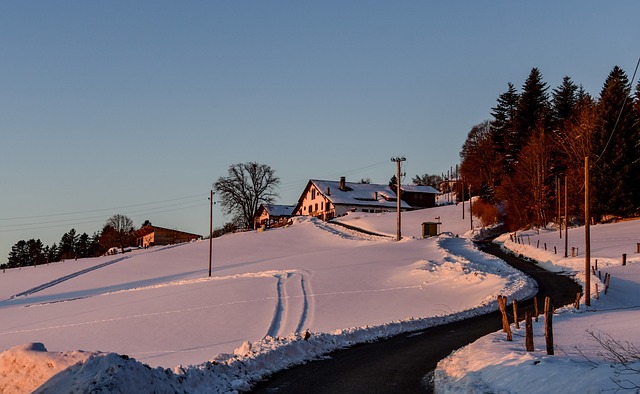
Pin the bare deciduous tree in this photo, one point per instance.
(246, 187)
(118, 230)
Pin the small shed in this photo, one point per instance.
(430, 229)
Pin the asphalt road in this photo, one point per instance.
(404, 363)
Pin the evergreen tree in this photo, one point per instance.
(36, 252)
(564, 100)
(502, 126)
(68, 245)
(94, 246)
(53, 253)
(615, 166)
(393, 182)
(82, 246)
(533, 113)
(19, 255)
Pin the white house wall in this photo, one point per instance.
(314, 203)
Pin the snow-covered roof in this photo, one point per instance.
(279, 210)
(359, 194)
(419, 189)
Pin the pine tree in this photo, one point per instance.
(615, 166)
(68, 245)
(36, 252)
(82, 246)
(533, 113)
(502, 126)
(19, 255)
(53, 253)
(564, 100)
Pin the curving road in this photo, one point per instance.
(403, 363)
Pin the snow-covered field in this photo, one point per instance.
(580, 364)
(153, 319)
(268, 289)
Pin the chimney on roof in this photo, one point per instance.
(343, 183)
(375, 196)
(328, 191)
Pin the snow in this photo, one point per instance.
(580, 363)
(359, 194)
(152, 319)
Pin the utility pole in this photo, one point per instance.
(558, 187)
(462, 188)
(398, 160)
(210, 230)
(470, 208)
(587, 235)
(566, 219)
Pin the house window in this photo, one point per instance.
(313, 194)
(322, 206)
(316, 206)
(310, 208)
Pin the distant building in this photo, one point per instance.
(154, 235)
(419, 197)
(329, 199)
(273, 215)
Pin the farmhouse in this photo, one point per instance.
(154, 235)
(270, 215)
(329, 199)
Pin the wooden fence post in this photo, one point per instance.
(538, 244)
(607, 281)
(577, 304)
(548, 324)
(638, 247)
(624, 259)
(597, 293)
(535, 307)
(529, 331)
(573, 251)
(555, 250)
(596, 264)
(502, 301)
(545, 246)
(515, 314)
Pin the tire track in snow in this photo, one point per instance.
(293, 307)
(272, 331)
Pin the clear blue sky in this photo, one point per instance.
(136, 107)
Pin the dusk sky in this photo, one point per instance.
(137, 107)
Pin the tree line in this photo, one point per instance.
(116, 232)
(520, 158)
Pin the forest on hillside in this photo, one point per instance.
(536, 139)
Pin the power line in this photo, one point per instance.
(619, 115)
(296, 184)
(93, 220)
(102, 209)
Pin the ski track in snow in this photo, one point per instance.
(65, 278)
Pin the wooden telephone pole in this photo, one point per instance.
(398, 160)
(566, 219)
(587, 235)
(210, 230)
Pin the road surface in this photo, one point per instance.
(405, 363)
